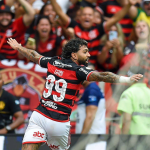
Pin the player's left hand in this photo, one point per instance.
(136, 77)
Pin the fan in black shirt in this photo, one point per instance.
(9, 108)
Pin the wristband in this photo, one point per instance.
(8, 128)
(123, 79)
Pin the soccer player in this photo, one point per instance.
(49, 123)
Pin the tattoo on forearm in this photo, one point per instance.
(30, 54)
(104, 76)
(31, 146)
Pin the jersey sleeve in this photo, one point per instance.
(21, 28)
(13, 103)
(43, 61)
(125, 103)
(92, 98)
(102, 28)
(83, 73)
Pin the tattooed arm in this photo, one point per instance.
(28, 53)
(113, 78)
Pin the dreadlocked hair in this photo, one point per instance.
(73, 46)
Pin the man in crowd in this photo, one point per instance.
(134, 107)
(86, 29)
(27, 97)
(13, 28)
(9, 108)
(109, 8)
(49, 123)
(91, 110)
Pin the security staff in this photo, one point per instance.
(134, 106)
(9, 108)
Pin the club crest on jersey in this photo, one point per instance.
(9, 33)
(92, 34)
(49, 46)
(58, 72)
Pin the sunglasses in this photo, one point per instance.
(147, 2)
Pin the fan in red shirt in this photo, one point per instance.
(86, 29)
(13, 29)
(46, 40)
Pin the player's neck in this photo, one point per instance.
(74, 60)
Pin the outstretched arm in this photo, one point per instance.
(28, 53)
(113, 78)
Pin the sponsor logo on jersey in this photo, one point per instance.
(92, 98)
(54, 146)
(49, 104)
(44, 58)
(58, 72)
(60, 64)
(81, 69)
(38, 134)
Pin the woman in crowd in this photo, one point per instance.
(45, 40)
(111, 49)
(136, 50)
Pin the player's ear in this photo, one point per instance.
(74, 56)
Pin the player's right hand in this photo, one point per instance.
(13, 43)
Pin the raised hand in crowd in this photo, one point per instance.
(16, 28)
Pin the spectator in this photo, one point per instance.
(27, 97)
(98, 19)
(45, 40)
(111, 52)
(91, 110)
(134, 107)
(141, 47)
(109, 8)
(9, 108)
(14, 29)
(86, 30)
(137, 14)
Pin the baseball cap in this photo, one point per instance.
(5, 8)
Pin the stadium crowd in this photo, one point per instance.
(118, 35)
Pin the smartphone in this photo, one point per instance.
(31, 41)
(113, 35)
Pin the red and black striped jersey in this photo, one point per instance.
(111, 7)
(64, 78)
(49, 47)
(16, 31)
(92, 36)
